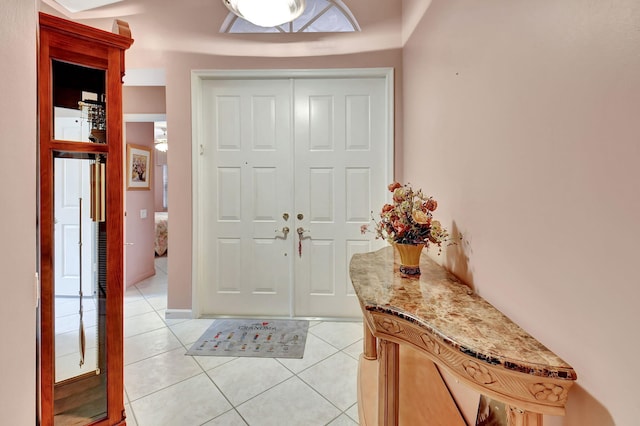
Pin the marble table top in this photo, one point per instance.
(438, 302)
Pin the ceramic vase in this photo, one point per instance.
(409, 258)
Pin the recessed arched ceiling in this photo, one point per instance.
(160, 27)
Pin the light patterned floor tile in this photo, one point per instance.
(71, 305)
(189, 331)
(154, 286)
(137, 307)
(149, 344)
(71, 322)
(230, 418)
(67, 343)
(209, 362)
(162, 264)
(68, 366)
(192, 402)
(335, 378)
(343, 420)
(170, 321)
(291, 403)
(338, 334)
(142, 323)
(354, 350)
(244, 378)
(158, 372)
(131, 419)
(353, 413)
(158, 302)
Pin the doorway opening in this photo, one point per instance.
(287, 167)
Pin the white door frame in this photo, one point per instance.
(197, 79)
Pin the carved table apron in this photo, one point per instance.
(442, 318)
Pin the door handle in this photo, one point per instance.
(301, 236)
(285, 232)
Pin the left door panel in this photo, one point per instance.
(246, 160)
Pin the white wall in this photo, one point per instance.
(521, 118)
(18, 216)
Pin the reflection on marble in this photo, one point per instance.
(442, 305)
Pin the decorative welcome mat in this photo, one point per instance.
(251, 337)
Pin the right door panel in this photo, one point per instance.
(340, 172)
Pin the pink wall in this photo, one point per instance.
(18, 257)
(143, 99)
(521, 118)
(139, 232)
(179, 158)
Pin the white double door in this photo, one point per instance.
(289, 169)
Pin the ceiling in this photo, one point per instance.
(160, 27)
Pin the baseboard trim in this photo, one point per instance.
(141, 277)
(178, 314)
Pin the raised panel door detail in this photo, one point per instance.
(229, 193)
(70, 258)
(228, 121)
(264, 259)
(358, 123)
(230, 265)
(321, 184)
(263, 117)
(320, 116)
(265, 185)
(322, 260)
(358, 194)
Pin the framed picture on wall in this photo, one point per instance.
(139, 167)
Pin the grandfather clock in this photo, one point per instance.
(81, 184)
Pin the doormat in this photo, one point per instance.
(252, 337)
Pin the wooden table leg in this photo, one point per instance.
(519, 417)
(388, 383)
(369, 342)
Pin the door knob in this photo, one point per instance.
(285, 232)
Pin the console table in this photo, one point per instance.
(412, 323)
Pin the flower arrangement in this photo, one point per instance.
(409, 220)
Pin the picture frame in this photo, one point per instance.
(139, 167)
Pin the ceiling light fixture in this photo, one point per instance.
(266, 13)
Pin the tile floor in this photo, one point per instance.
(165, 387)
